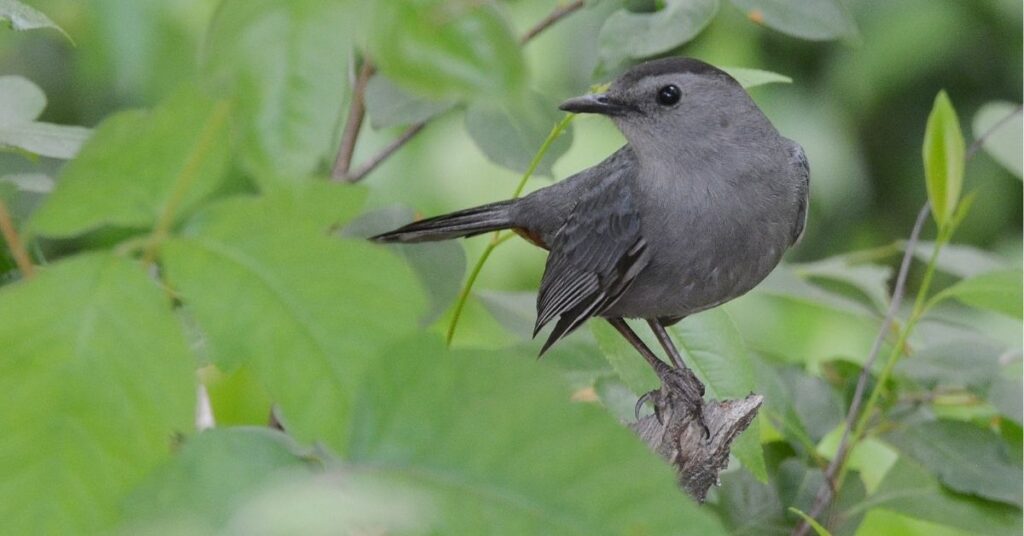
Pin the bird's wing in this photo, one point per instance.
(802, 170)
(594, 257)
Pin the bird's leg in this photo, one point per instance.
(692, 388)
(680, 381)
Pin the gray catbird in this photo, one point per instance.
(695, 210)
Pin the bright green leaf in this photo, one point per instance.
(285, 64)
(628, 364)
(714, 348)
(749, 78)
(269, 287)
(943, 155)
(807, 19)
(1005, 142)
(870, 457)
(1001, 291)
(97, 382)
(510, 132)
(628, 35)
(21, 17)
(446, 49)
(500, 448)
(215, 473)
(390, 106)
(967, 458)
(139, 166)
(818, 529)
(880, 522)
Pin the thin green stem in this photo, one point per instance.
(500, 237)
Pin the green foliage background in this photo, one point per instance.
(167, 164)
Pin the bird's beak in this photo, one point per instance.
(596, 103)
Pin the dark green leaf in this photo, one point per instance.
(714, 348)
(959, 363)
(943, 155)
(910, 490)
(446, 49)
(498, 445)
(139, 166)
(390, 106)
(270, 287)
(807, 19)
(628, 35)
(97, 381)
(510, 132)
(965, 457)
(1004, 143)
(1001, 291)
(1005, 395)
(285, 64)
(21, 17)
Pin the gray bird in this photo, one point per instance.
(696, 209)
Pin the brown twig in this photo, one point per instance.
(356, 112)
(348, 142)
(828, 489)
(558, 14)
(18, 251)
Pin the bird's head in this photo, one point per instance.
(673, 104)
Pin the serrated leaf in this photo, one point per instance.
(749, 78)
(910, 490)
(1001, 291)
(629, 35)
(510, 133)
(943, 155)
(139, 165)
(97, 382)
(713, 347)
(808, 19)
(965, 457)
(214, 474)
(284, 62)
(446, 49)
(390, 106)
(21, 17)
(1004, 143)
(498, 445)
(269, 287)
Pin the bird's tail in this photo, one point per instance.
(469, 222)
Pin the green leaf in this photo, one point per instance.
(881, 522)
(284, 62)
(624, 359)
(714, 348)
(1004, 395)
(510, 132)
(749, 78)
(818, 529)
(871, 280)
(1002, 144)
(271, 288)
(1001, 291)
(446, 49)
(139, 166)
(909, 489)
(955, 363)
(214, 474)
(965, 457)
(870, 457)
(816, 20)
(390, 106)
(943, 155)
(21, 102)
(628, 35)
(97, 382)
(960, 260)
(495, 441)
(21, 17)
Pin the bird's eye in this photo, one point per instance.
(669, 95)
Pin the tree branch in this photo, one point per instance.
(342, 163)
(356, 111)
(18, 251)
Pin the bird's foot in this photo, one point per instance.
(680, 391)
